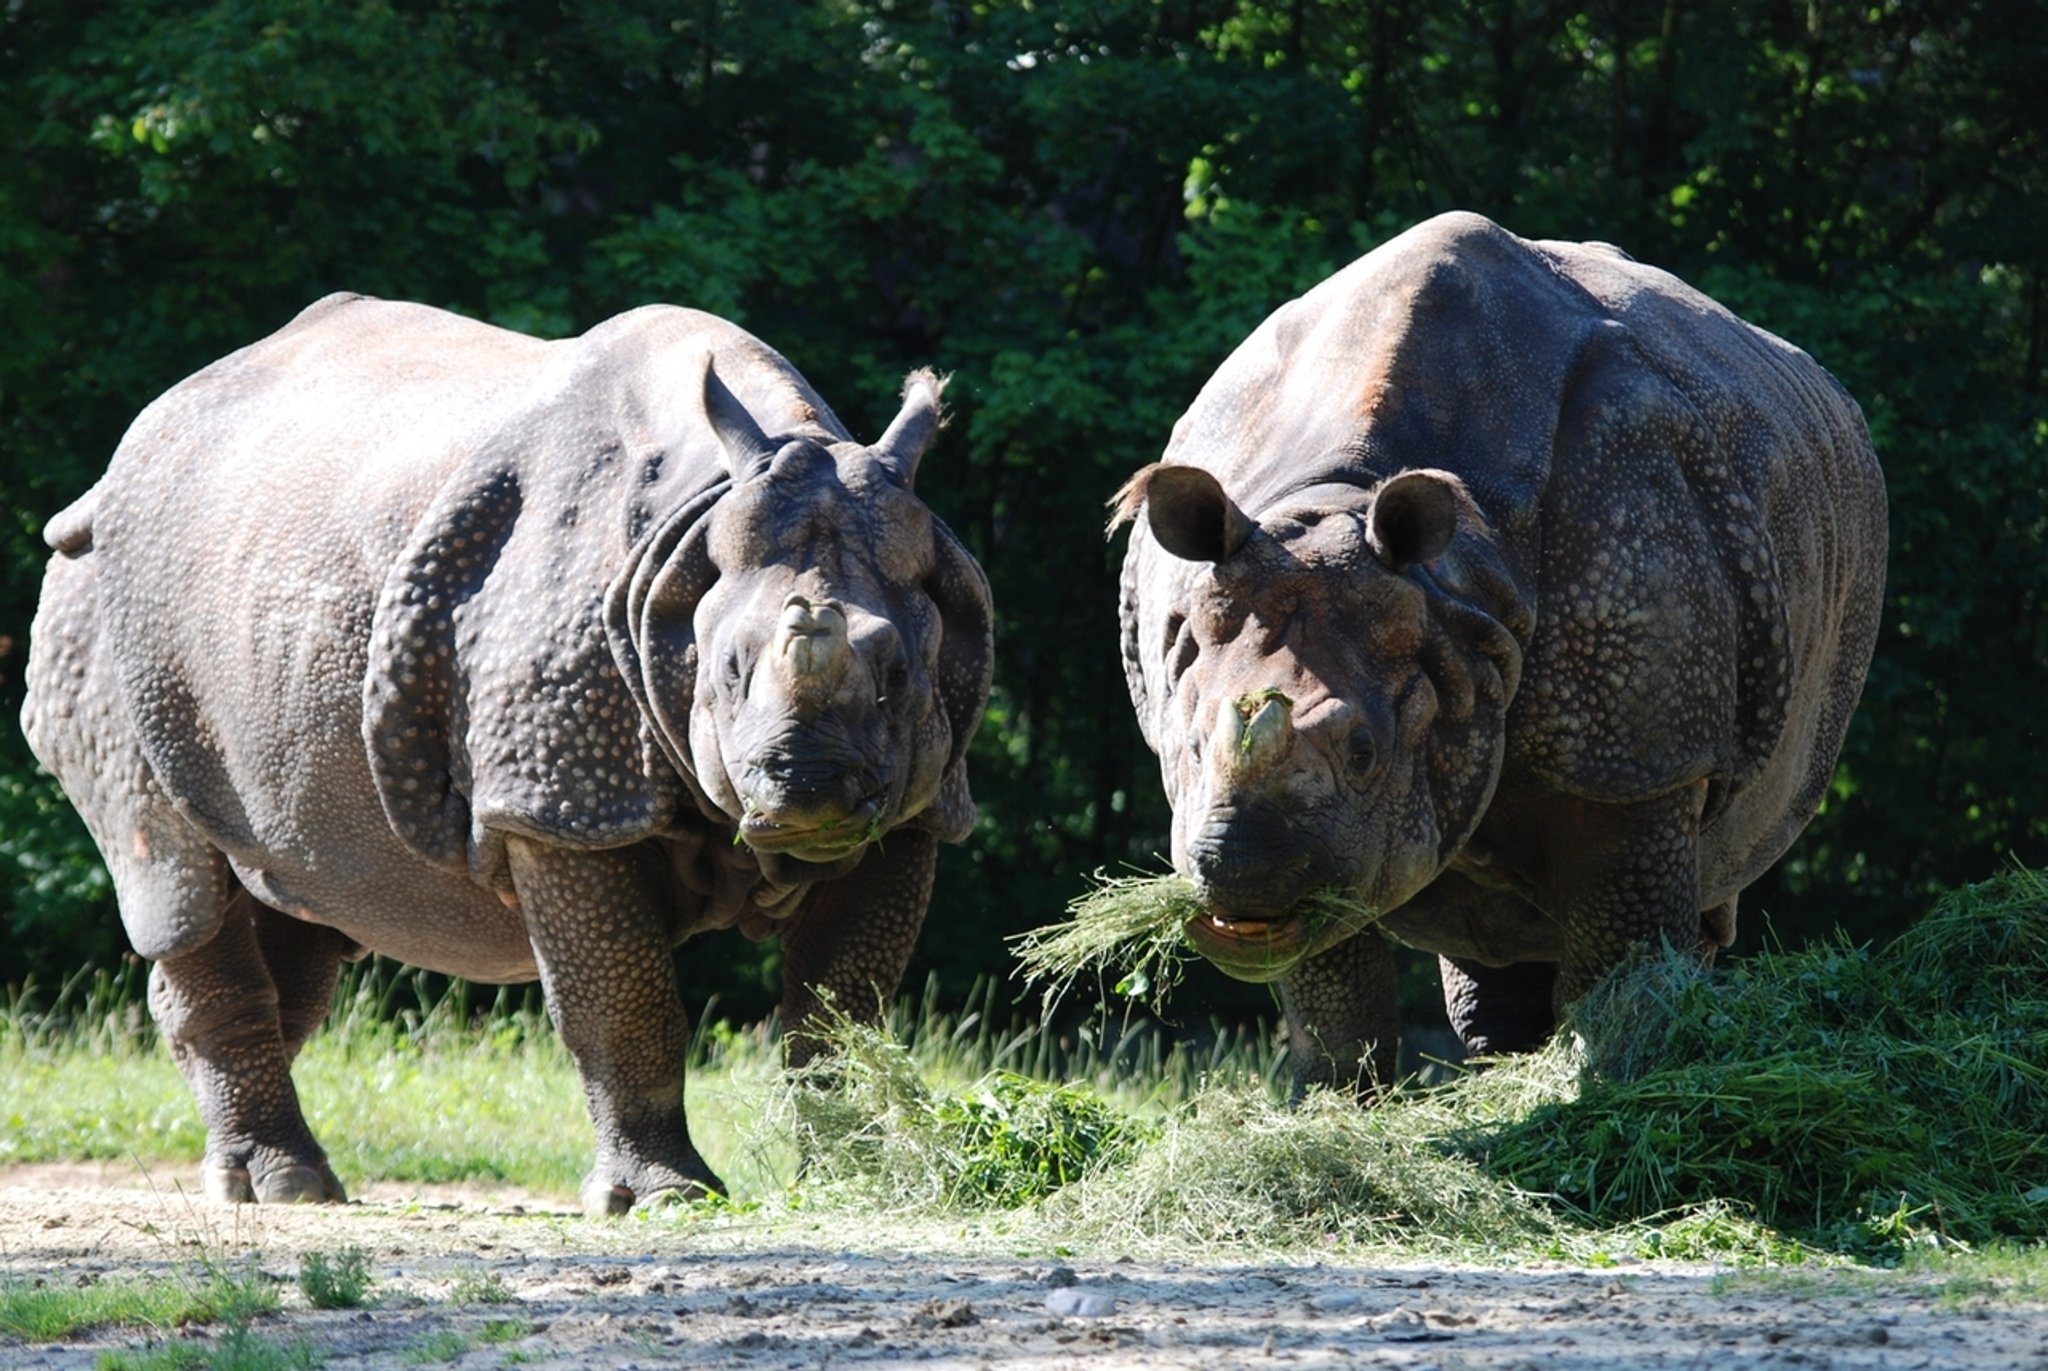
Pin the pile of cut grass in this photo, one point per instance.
(1838, 1098)
(872, 1131)
(1852, 1096)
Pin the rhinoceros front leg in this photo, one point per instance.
(1499, 1009)
(235, 1011)
(1343, 1017)
(599, 925)
(1625, 879)
(853, 938)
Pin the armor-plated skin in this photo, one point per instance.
(397, 632)
(1519, 590)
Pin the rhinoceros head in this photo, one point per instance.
(1326, 692)
(816, 647)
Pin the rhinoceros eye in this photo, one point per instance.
(895, 680)
(1363, 753)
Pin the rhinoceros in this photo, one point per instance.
(1514, 591)
(397, 632)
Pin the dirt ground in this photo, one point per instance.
(478, 1278)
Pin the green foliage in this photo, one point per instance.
(1831, 1100)
(1834, 1100)
(1023, 1139)
(495, 1331)
(1076, 210)
(444, 1344)
(1138, 924)
(341, 1281)
(472, 1286)
(1130, 923)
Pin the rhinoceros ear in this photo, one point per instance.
(910, 432)
(1188, 511)
(747, 449)
(1414, 517)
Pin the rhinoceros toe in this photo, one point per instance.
(293, 1183)
(603, 1198)
(300, 1185)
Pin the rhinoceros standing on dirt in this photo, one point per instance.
(1513, 588)
(396, 632)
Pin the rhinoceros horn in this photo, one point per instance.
(811, 651)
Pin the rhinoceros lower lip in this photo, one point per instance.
(814, 842)
(1250, 949)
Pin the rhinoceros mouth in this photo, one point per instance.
(815, 842)
(1255, 950)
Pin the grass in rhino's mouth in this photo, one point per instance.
(853, 831)
(1138, 925)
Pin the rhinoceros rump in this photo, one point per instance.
(395, 632)
(1515, 588)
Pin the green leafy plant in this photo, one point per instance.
(340, 1281)
(445, 1344)
(474, 1286)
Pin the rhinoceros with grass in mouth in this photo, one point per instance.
(1516, 592)
(397, 632)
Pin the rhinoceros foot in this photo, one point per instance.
(293, 1183)
(604, 1198)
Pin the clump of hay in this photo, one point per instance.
(1233, 1168)
(1849, 1095)
(1137, 925)
(1134, 924)
(872, 1131)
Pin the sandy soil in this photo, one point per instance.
(567, 1293)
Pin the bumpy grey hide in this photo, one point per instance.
(1516, 588)
(395, 632)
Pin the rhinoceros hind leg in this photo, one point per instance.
(218, 1008)
(304, 960)
(1499, 1009)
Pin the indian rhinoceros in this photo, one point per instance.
(1515, 591)
(397, 632)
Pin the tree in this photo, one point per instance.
(1077, 210)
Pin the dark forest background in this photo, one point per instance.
(1077, 209)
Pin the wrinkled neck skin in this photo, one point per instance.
(816, 724)
(1328, 721)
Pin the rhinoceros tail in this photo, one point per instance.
(70, 529)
